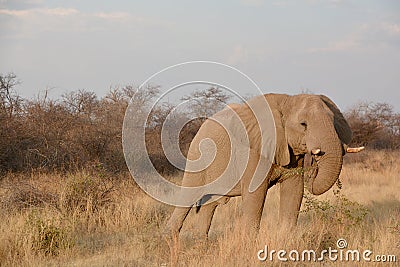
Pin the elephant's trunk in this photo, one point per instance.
(329, 162)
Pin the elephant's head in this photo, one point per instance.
(311, 124)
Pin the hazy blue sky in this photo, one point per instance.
(348, 50)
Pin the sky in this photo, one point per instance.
(348, 50)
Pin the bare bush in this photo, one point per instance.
(80, 129)
(375, 125)
(67, 134)
(23, 195)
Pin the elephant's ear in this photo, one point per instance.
(276, 103)
(282, 155)
(341, 126)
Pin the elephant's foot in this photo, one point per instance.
(172, 240)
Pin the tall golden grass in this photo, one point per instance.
(90, 218)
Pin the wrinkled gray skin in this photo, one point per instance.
(303, 123)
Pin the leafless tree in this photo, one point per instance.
(80, 102)
(205, 103)
(10, 101)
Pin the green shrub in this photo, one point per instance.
(340, 211)
(48, 235)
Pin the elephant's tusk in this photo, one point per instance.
(354, 149)
(315, 151)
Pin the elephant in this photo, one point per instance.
(312, 136)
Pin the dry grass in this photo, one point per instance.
(92, 219)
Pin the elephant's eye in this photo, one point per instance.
(304, 124)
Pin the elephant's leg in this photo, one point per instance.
(253, 202)
(175, 222)
(204, 218)
(252, 206)
(291, 195)
(179, 214)
(171, 232)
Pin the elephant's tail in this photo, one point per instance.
(198, 209)
(202, 201)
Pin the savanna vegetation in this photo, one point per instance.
(66, 197)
